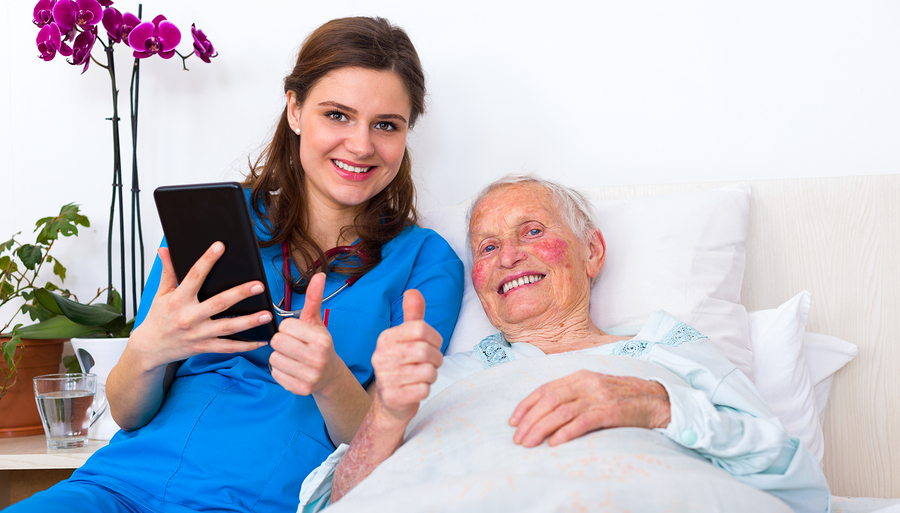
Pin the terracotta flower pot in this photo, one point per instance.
(18, 411)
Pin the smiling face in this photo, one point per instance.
(352, 129)
(529, 269)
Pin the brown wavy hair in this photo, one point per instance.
(278, 190)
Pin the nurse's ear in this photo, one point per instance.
(293, 112)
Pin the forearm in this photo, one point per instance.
(732, 439)
(378, 437)
(136, 391)
(343, 404)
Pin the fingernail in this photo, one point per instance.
(218, 247)
(256, 289)
(264, 318)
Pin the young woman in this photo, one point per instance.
(216, 424)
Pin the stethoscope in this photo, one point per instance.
(286, 272)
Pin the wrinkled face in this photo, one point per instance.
(529, 269)
(353, 128)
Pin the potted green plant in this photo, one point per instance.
(37, 348)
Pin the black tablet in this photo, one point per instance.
(195, 216)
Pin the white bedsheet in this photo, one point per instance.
(864, 505)
(453, 462)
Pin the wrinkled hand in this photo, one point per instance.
(304, 360)
(586, 401)
(406, 360)
(179, 326)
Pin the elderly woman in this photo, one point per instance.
(655, 422)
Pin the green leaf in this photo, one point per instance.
(59, 327)
(8, 244)
(46, 233)
(72, 365)
(6, 290)
(37, 312)
(9, 347)
(30, 255)
(59, 270)
(126, 331)
(115, 326)
(113, 299)
(89, 315)
(119, 329)
(82, 220)
(65, 224)
(47, 300)
(4, 263)
(71, 212)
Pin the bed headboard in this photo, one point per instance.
(838, 238)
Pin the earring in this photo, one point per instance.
(297, 131)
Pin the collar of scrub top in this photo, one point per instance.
(283, 309)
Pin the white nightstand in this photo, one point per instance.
(27, 466)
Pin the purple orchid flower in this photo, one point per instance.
(48, 41)
(159, 36)
(202, 46)
(82, 13)
(105, 3)
(84, 43)
(43, 13)
(119, 26)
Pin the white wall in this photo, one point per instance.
(645, 91)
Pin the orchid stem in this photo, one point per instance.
(135, 184)
(117, 183)
(184, 59)
(98, 63)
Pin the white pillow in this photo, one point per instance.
(825, 355)
(782, 375)
(682, 253)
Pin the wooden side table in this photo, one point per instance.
(27, 466)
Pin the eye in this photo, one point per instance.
(386, 126)
(488, 248)
(534, 232)
(336, 116)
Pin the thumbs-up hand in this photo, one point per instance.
(303, 359)
(406, 360)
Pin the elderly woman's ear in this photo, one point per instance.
(597, 256)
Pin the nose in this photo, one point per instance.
(359, 142)
(511, 254)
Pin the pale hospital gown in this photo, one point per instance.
(458, 453)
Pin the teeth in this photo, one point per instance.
(521, 281)
(352, 169)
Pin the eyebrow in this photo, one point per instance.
(353, 111)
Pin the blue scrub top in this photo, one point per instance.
(228, 437)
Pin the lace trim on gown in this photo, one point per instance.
(494, 350)
(676, 336)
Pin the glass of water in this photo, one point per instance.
(68, 404)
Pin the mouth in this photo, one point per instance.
(351, 169)
(505, 287)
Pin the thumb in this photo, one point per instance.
(413, 306)
(167, 279)
(312, 308)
